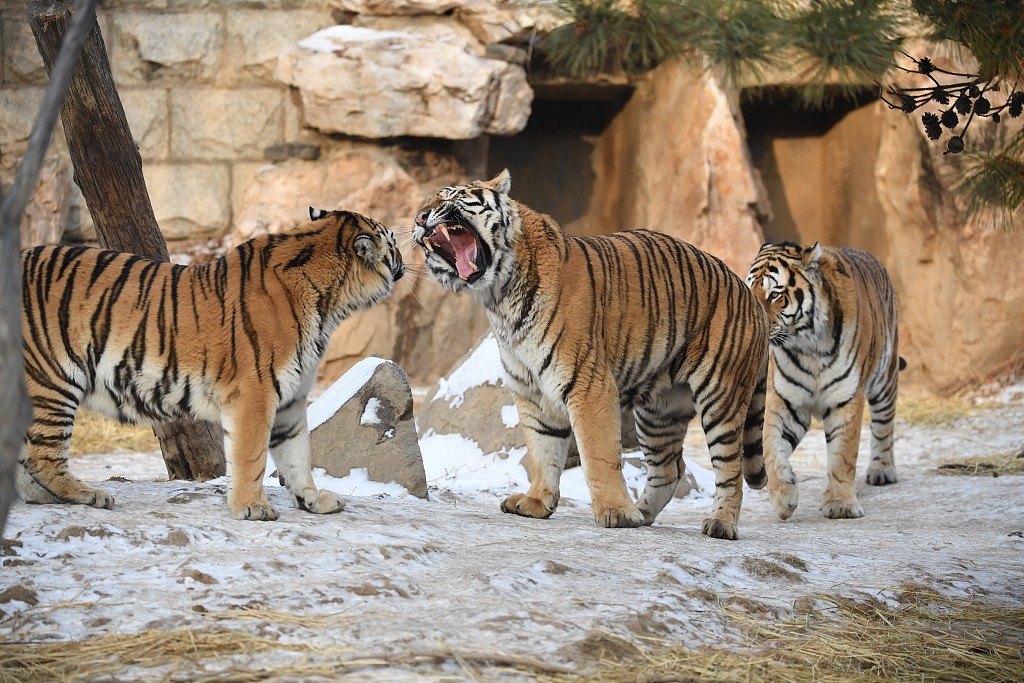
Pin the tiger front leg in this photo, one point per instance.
(547, 444)
(597, 422)
(842, 433)
(785, 424)
(289, 447)
(246, 425)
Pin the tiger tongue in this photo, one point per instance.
(465, 248)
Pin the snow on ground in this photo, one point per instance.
(393, 573)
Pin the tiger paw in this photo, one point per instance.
(718, 528)
(97, 498)
(649, 515)
(784, 498)
(101, 499)
(842, 509)
(259, 510)
(320, 502)
(879, 475)
(525, 506)
(619, 517)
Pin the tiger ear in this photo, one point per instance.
(317, 214)
(366, 249)
(502, 182)
(812, 255)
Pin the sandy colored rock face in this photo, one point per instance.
(382, 84)
(675, 160)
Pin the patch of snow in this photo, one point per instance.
(334, 37)
(482, 367)
(344, 388)
(510, 416)
(456, 463)
(370, 416)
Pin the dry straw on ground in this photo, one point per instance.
(93, 433)
(925, 637)
(918, 635)
(988, 466)
(930, 410)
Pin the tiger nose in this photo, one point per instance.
(421, 218)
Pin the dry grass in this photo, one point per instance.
(225, 655)
(931, 411)
(94, 433)
(987, 465)
(926, 637)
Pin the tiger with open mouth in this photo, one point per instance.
(586, 324)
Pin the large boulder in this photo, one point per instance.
(473, 401)
(383, 84)
(364, 420)
(675, 159)
(279, 195)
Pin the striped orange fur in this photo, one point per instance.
(235, 341)
(585, 325)
(833, 347)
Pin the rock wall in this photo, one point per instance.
(245, 115)
(675, 159)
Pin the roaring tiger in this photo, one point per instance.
(833, 345)
(586, 324)
(235, 341)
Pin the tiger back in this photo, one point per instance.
(235, 341)
(586, 324)
(834, 342)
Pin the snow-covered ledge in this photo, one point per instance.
(380, 84)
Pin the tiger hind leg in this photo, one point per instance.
(661, 427)
(754, 472)
(289, 447)
(43, 475)
(723, 418)
(882, 402)
(842, 434)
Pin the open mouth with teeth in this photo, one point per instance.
(461, 247)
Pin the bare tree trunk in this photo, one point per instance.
(108, 169)
(14, 400)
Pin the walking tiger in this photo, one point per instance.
(585, 324)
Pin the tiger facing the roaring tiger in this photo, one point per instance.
(235, 341)
(833, 346)
(585, 324)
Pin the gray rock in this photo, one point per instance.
(480, 409)
(373, 429)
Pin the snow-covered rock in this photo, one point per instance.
(364, 421)
(472, 402)
(382, 84)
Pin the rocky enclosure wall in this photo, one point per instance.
(247, 111)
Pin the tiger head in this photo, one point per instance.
(466, 232)
(375, 260)
(786, 279)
